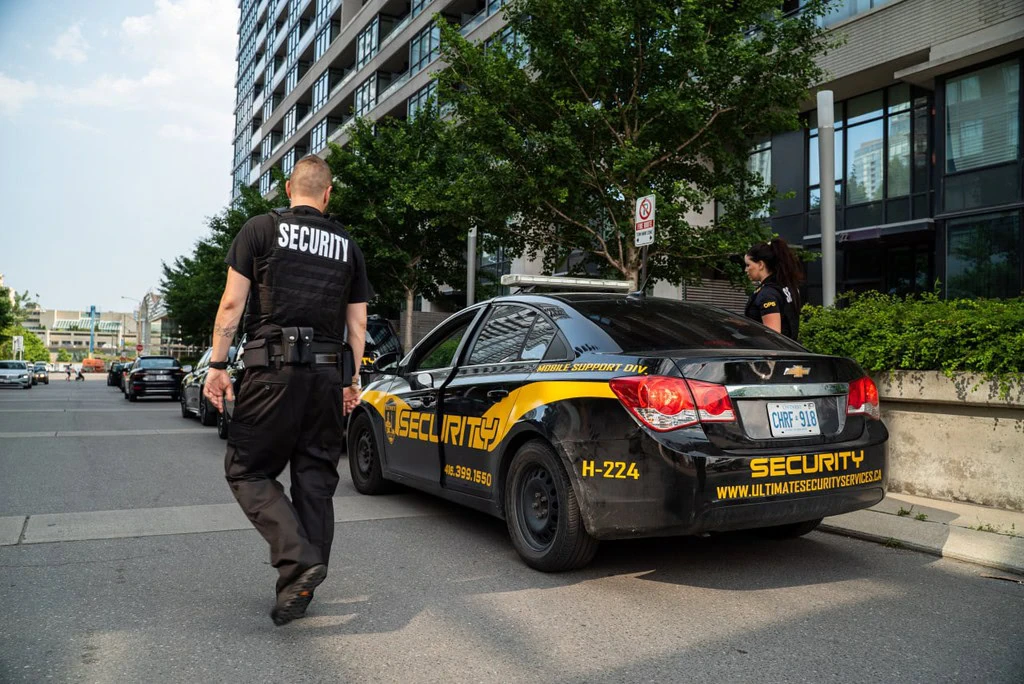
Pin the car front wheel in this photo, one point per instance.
(207, 416)
(542, 513)
(184, 407)
(364, 458)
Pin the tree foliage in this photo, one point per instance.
(192, 285)
(400, 190)
(34, 348)
(7, 317)
(600, 102)
(63, 355)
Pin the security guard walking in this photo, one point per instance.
(776, 302)
(302, 283)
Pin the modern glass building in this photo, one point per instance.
(306, 68)
(928, 161)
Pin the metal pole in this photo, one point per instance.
(471, 268)
(826, 172)
(92, 329)
(643, 269)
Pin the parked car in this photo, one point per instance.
(582, 417)
(122, 378)
(191, 396)
(114, 374)
(15, 374)
(40, 374)
(154, 376)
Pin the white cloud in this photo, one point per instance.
(184, 133)
(76, 125)
(70, 45)
(14, 93)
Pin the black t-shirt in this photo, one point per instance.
(772, 298)
(256, 239)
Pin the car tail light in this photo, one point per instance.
(662, 403)
(862, 399)
(713, 404)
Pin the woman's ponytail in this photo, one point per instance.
(782, 263)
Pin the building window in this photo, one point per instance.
(322, 11)
(421, 98)
(982, 135)
(417, 7)
(882, 159)
(265, 180)
(288, 162)
(266, 148)
(320, 91)
(760, 162)
(983, 256)
(423, 48)
(324, 39)
(318, 137)
(367, 42)
(291, 79)
(290, 120)
(366, 96)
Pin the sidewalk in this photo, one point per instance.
(985, 536)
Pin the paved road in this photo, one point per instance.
(160, 580)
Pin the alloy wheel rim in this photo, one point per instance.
(364, 454)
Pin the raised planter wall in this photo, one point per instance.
(954, 439)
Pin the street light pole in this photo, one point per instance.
(826, 172)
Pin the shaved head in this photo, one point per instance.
(310, 177)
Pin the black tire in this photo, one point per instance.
(790, 531)
(207, 414)
(185, 413)
(28, 386)
(223, 423)
(131, 396)
(364, 458)
(542, 513)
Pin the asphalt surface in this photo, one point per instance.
(423, 591)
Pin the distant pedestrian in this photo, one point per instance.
(305, 282)
(776, 302)
(67, 369)
(79, 376)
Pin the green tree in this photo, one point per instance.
(192, 285)
(7, 317)
(63, 356)
(34, 349)
(400, 191)
(625, 98)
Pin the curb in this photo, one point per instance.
(991, 550)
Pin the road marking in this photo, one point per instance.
(104, 433)
(10, 529)
(150, 522)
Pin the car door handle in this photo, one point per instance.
(497, 394)
(426, 401)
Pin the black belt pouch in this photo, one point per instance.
(348, 366)
(256, 354)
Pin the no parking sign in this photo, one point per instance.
(643, 221)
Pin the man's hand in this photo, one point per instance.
(218, 388)
(350, 399)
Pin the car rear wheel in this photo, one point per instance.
(790, 531)
(542, 513)
(131, 396)
(364, 458)
(207, 416)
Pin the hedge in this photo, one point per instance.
(886, 332)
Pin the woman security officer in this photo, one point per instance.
(776, 302)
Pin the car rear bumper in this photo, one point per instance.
(154, 388)
(702, 489)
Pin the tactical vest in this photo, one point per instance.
(790, 316)
(304, 280)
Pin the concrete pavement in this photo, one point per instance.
(981, 535)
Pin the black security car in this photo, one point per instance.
(122, 376)
(193, 402)
(153, 376)
(581, 417)
(114, 374)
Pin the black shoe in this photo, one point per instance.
(293, 599)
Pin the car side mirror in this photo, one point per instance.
(186, 369)
(425, 380)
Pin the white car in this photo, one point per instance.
(15, 373)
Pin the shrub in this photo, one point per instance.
(886, 332)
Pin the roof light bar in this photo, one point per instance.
(565, 283)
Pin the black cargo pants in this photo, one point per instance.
(288, 416)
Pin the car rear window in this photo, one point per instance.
(158, 363)
(664, 324)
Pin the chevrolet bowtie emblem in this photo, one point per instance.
(797, 371)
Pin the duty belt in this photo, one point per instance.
(278, 352)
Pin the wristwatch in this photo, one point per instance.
(219, 365)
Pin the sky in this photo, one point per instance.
(116, 129)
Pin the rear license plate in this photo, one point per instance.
(791, 419)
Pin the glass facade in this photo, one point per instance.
(760, 162)
(424, 48)
(367, 42)
(366, 96)
(421, 98)
(983, 256)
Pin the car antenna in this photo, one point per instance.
(641, 293)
